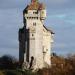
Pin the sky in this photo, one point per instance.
(60, 18)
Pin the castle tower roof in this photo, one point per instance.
(35, 5)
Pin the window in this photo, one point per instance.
(35, 12)
(34, 24)
(37, 17)
(42, 12)
(32, 34)
(46, 49)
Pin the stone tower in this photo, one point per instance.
(35, 38)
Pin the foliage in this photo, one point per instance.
(12, 72)
(1, 73)
(29, 72)
(60, 66)
(8, 62)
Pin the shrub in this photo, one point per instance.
(1, 73)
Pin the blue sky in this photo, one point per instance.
(60, 17)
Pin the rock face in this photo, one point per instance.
(35, 38)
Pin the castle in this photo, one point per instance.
(35, 38)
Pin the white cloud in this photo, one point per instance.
(10, 20)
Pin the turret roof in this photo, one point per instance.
(35, 5)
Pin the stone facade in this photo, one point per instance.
(35, 38)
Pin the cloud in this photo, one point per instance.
(10, 21)
(10, 4)
(9, 51)
(60, 17)
(64, 27)
(58, 1)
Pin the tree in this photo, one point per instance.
(8, 62)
